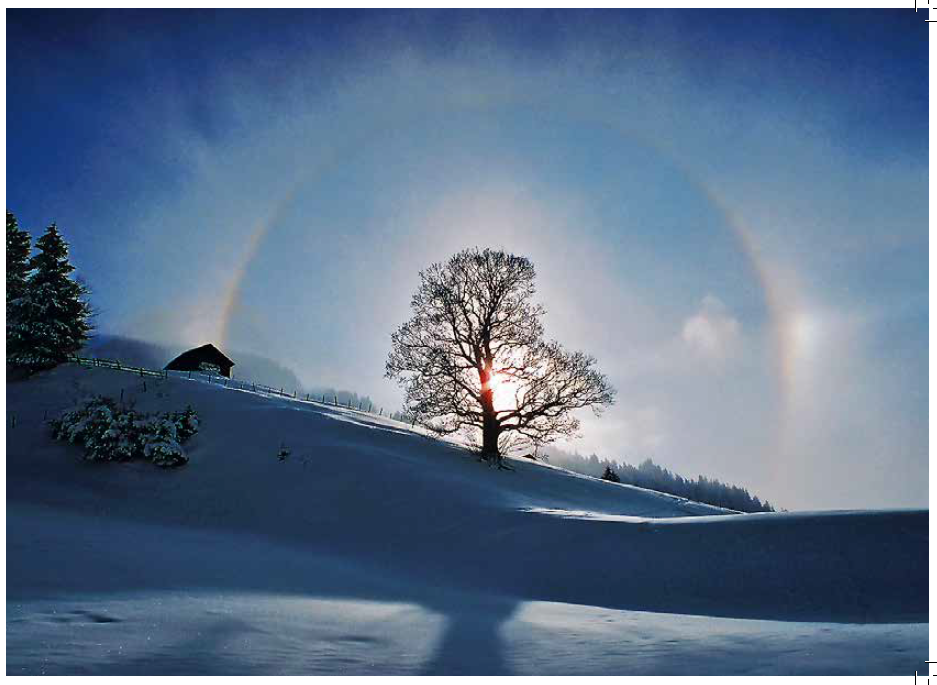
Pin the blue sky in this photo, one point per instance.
(728, 208)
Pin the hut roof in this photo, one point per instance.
(206, 352)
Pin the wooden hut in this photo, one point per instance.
(206, 359)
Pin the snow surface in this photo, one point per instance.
(373, 549)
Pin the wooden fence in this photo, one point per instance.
(90, 362)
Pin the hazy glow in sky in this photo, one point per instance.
(728, 209)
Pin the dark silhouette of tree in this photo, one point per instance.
(18, 246)
(475, 327)
(610, 475)
(50, 319)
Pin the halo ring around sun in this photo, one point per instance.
(783, 351)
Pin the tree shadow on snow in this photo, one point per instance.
(471, 643)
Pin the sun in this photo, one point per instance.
(503, 392)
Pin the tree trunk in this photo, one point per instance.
(490, 435)
(491, 430)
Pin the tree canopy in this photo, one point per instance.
(473, 357)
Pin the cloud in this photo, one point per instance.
(712, 332)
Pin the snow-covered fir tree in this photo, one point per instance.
(18, 246)
(50, 319)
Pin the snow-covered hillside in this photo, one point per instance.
(372, 549)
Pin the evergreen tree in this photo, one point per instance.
(610, 475)
(50, 321)
(18, 245)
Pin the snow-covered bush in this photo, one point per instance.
(186, 423)
(162, 446)
(109, 432)
(92, 425)
(165, 453)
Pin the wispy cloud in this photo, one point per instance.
(712, 332)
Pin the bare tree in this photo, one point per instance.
(472, 358)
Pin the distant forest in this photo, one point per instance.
(652, 476)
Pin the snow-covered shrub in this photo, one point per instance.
(162, 446)
(186, 423)
(109, 432)
(93, 426)
(159, 437)
(165, 453)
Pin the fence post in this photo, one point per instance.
(190, 374)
